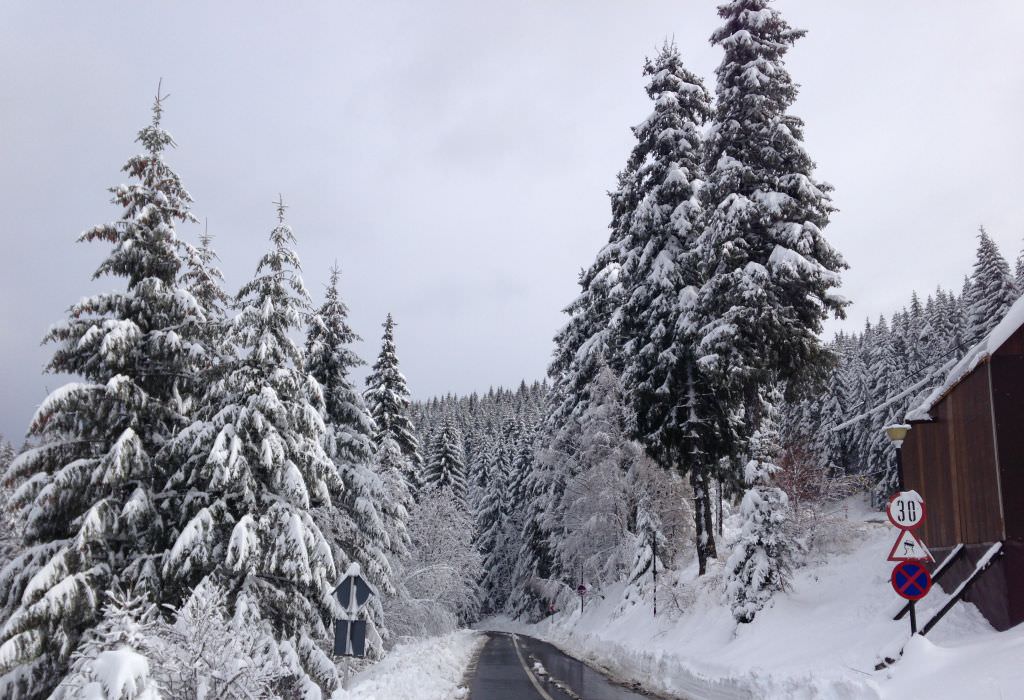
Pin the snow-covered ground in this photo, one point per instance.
(428, 669)
(821, 639)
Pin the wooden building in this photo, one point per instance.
(965, 455)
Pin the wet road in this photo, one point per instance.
(501, 674)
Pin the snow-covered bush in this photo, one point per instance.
(817, 498)
(436, 581)
(204, 653)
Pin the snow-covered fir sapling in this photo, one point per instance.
(760, 562)
(115, 660)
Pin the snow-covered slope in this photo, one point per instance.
(821, 639)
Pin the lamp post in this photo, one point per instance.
(897, 434)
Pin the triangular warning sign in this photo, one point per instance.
(909, 547)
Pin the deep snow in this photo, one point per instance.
(427, 669)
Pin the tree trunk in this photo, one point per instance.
(704, 531)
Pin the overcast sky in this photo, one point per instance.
(454, 157)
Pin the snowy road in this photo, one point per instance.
(508, 669)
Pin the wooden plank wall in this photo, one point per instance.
(1008, 403)
(927, 470)
(951, 462)
(973, 454)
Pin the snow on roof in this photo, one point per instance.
(978, 354)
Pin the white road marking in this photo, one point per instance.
(529, 673)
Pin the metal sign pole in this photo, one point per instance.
(913, 619)
(654, 565)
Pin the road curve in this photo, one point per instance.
(505, 671)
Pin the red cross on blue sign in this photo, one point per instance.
(911, 580)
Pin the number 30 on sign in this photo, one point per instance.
(906, 510)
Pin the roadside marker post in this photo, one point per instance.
(581, 590)
(353, 593)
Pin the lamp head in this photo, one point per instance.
(897, 433)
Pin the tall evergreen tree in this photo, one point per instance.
(993, 289)
(91, 498)
(768, 267)
(387, 397)
(680, 420)
(254, 472)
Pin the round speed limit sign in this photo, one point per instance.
(906, 510)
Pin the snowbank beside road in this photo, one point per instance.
(427, 669)
(821, 639)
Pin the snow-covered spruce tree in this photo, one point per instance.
(392, 467)
(446, 466)
(387, 397)
(884, 383)
(115, 659)
(993, 289)
(349, 442)
(365, 526)
(1020, 273)
(760, 561)
(90, 488)
(495, 531)
(254, 472)
(681, 420)
(768, 268)
(534, 560)
(204, 281)
(10, 527)
(10, 530)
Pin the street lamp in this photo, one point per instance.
(897, 434)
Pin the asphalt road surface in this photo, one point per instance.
(506, 670)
